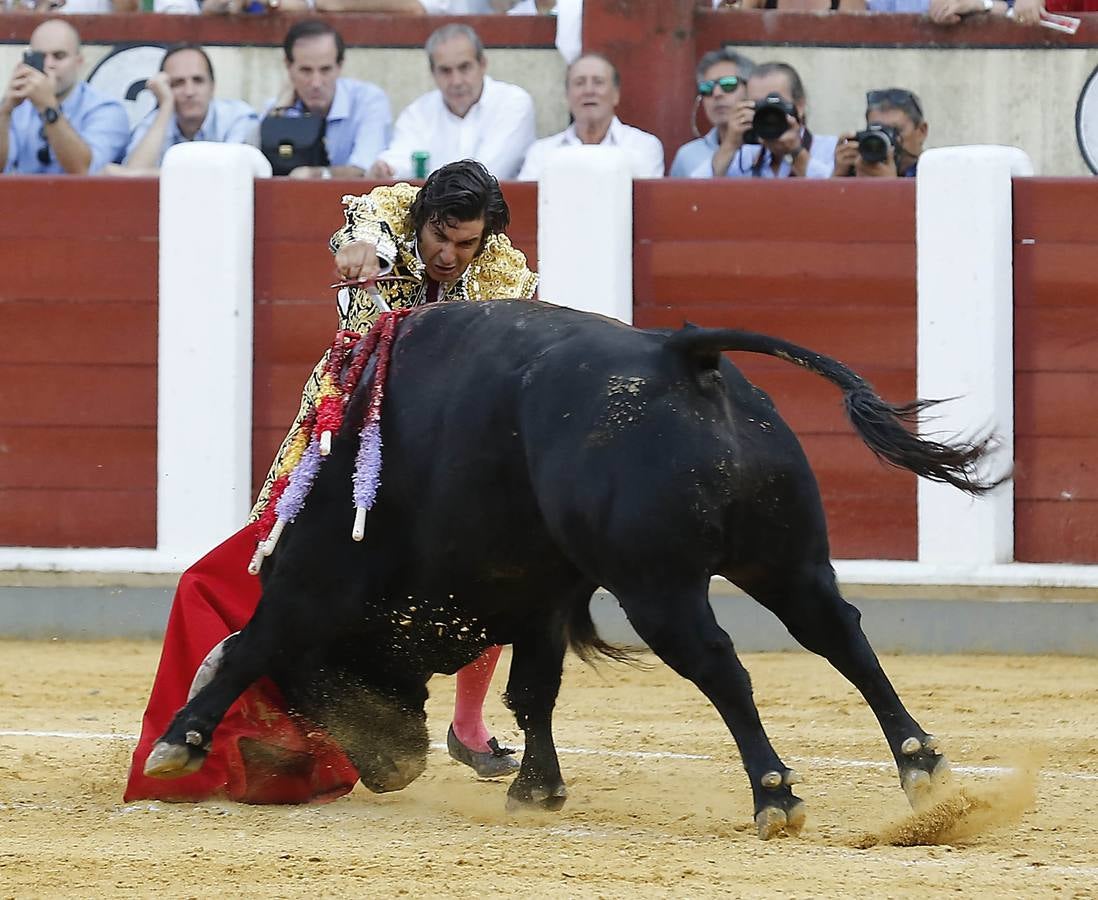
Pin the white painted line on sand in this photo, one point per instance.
(821, 761)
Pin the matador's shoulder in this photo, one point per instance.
(500, 272)
(387, 208)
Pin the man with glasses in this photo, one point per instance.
(722, 92)
(593, 88)
(770, 151)
(50, 122)
(897, 114)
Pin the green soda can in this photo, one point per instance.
(420, 158)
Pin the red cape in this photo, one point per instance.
(216, 597)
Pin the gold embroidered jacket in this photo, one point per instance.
(383, 217)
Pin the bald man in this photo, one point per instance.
(50, 121)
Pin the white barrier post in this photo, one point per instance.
(204, 368)
(965, 339)
(585, 231)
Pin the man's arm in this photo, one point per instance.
(7, 106)
(144, 149)
(374, 129)
(652, 159)
(105, 131)
(410, 134)
(509, 131)
(405, 7)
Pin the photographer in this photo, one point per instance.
(52, 123)
(893, 139)
(779, 143)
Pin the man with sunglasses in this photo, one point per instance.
(797, 151)
(897, 109)
(722, 90)
(50, 122)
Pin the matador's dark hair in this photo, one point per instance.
(461, 192)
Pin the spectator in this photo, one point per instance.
(722, 90)
(952, 12)
(469, 116)
(899, 112)
(186, 111)
(356, 115)
(795, 152)
(52, 123)
(593, 87)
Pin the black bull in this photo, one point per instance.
(532, 454)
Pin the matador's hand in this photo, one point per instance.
(357, 260)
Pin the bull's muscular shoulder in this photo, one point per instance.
(500, 273)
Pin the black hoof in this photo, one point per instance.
(494, 763)
(923, 770)
(386, 775)
(522, 796)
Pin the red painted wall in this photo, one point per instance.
(78, 259)
(1055, 361)
(824, 264)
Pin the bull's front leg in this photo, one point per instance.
(228, 671)
(532, 687)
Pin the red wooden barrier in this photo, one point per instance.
(78, 362)
(1055, 360)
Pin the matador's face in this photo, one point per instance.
(447, 247)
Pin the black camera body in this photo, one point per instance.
(769, 122)
(35, 59)
(875, 141)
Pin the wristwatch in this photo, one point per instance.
(51, 114)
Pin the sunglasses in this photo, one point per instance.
(896, 97)
(727, 84)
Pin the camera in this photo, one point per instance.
(35, 59)
(875, 141)
(769, 122)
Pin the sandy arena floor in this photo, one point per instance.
(644, 818)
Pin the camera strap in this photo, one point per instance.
(764, 155)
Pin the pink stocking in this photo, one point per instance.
(472, 688)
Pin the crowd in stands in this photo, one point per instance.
(322, 125)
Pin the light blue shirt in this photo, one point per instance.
(690, 156)
(359, 124)
(821, 161)
(898, 6)
(226, 122)
(100, 121)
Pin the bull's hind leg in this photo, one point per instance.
(809, 604)
(680, 628)
(532, 687)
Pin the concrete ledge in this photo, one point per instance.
(897, 620)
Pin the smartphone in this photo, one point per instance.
(35, 59)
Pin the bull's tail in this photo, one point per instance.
(585, 642)
(886, 429)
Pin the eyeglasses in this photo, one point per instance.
(897, 97)
(727, 84)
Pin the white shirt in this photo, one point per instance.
(644, 150)
(497, 131)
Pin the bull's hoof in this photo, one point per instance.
(388, 775)
(522, 796)
(923, 770)
(173, 760)
(772, 821)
